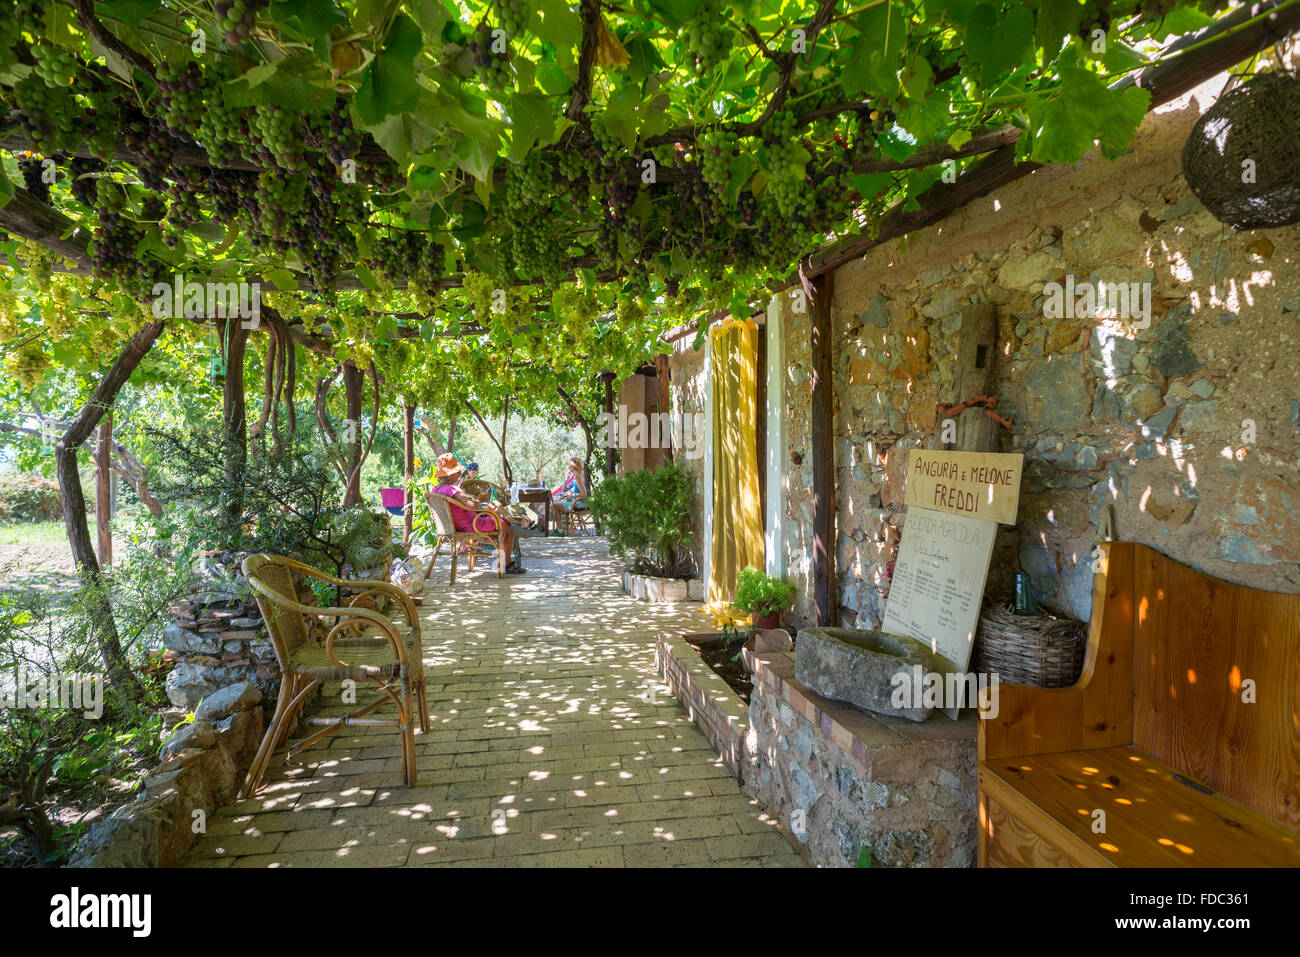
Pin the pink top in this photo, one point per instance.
(462, 519)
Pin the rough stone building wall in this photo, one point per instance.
(1156, 422)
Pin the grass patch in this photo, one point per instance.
(33, 533)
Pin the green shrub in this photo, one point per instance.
(30, 498)
(760, 594)
(646, 516)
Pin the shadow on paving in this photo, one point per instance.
(551, 743)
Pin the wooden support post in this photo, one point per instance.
(352, 380)
(103, 488)
(977, 349)
(608, 379)
(823, 454)
(408, 462)
(665, 403)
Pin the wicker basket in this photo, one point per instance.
(1044, 651)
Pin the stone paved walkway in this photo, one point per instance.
(546, 746)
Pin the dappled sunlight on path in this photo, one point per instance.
(551, 743)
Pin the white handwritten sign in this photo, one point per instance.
(938, 583)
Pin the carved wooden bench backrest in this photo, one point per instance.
(1198, 645)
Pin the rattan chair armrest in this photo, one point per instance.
(394, 641)
(315, 611)
(388, 588)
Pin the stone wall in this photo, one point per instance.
(203, 763)
(840, 779)
(1188, 429)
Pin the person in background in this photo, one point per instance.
(450, 473)
(572, 492)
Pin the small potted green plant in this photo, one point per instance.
(762, 596)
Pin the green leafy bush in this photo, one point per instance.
(646, 516)
(761, 594)
(30, 498)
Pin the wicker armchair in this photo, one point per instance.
(440, 507)
(360, 645)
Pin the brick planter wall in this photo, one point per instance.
(648, 588)
(840, 778)
(715, 708)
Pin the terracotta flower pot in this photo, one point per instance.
(770, 620)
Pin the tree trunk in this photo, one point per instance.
(451, 435)
(104, 628)
(586, 430)
(234, 338)
(103, 490)
(505, 462)
(501, 445)
(352, 380)
(408, 461)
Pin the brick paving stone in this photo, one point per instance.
(544, 748)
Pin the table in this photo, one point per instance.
(538, 497)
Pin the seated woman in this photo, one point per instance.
(572, 492)
(449, 473)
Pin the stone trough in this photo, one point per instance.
(858, 667)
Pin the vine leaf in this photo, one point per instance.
(310, 18)
(997, 42)
(128, 11)
(532, 120)
(1064, 126)
(389, 86)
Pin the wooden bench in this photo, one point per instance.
(1155, 733)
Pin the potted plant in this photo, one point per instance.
(762, 596)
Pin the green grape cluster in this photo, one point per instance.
(180, 88)
(220, 127)
(529, 183)
(55, 65)
(1096, 15)
(608, 145)
(574, 166)
(514, 16)
(631, 311)
(28, 365)
(708, 38)
(279, 200)
(50, 115)
(493, 68)
(717, 153)
(786, 178)
(277, 131)
(236, 18)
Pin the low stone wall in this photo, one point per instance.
(710, 702)
(841, 779)
(217, 637)
(648, 588)
(202, 766)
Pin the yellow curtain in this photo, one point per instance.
(737, 517)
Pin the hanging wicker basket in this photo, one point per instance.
(1243, 157)
(1044, 651)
